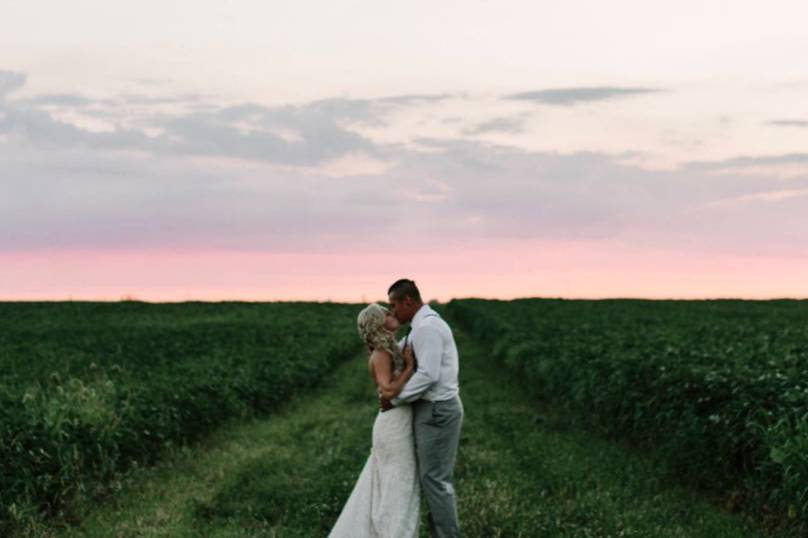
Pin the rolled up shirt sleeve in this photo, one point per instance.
(428, 348)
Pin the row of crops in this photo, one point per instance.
(89, 390)
(718, 388)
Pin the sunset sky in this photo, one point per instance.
(317, 150)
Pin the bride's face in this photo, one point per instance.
(390, 322)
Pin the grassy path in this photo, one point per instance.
(521, 472)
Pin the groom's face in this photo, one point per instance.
(403, 309)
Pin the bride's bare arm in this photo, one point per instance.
(389, 386)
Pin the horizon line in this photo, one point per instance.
(126, 299)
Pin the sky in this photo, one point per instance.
(312, 150)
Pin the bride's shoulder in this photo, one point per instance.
(379, 354)
(381, 358)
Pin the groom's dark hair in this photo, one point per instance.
(404, 288)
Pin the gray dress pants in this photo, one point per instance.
(436, 428)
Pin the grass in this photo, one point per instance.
(90, 390)
(718, 387)
(523, 471)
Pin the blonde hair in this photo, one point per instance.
(370, 324)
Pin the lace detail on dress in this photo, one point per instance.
(386, 499)
(398, 362)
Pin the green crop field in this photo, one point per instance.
(90, 390)
(583, 418)
(719, 387)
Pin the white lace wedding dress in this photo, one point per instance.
(386, 498)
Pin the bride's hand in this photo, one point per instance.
(409, 358)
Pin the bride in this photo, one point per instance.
(385, 500)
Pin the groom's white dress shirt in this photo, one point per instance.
(434, 347)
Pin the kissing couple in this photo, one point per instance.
(417, 429)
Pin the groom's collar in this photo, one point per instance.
(423, 312)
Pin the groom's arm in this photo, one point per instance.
(428, 349)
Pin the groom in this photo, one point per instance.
(437, 409)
